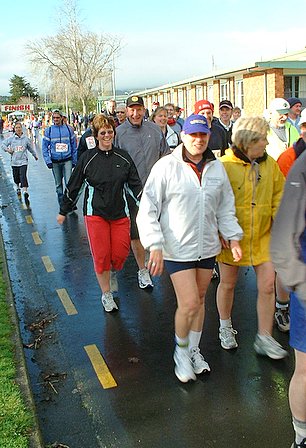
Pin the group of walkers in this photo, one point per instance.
(160, 186)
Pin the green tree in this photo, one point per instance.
(20, 87)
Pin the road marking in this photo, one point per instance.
(66, 301)
(29, 219)
(48, 263)
(105, 377)
(36, 238)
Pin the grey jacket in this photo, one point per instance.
(287, 229)
(18, 147)
(145, 144)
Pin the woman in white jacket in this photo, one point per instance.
(187, 202)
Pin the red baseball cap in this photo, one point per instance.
(202, 105)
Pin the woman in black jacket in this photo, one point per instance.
(109, 175)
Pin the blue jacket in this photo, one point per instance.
(59, 144)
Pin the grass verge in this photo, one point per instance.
(16, 420)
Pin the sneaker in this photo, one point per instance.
(144, 279)
(108, 302)
(227, 338)
(266, 345)
(113, 281)
(282, 319)
(215, 274)
(198, 362)
(18, 192)
(183, 367)
(300, 445)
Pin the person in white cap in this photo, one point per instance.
(282, 133)
(186, 203)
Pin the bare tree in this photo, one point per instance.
(77, 59)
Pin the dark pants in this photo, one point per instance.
(20, 175)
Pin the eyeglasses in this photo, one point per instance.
(109, 132)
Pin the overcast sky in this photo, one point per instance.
(162, 41)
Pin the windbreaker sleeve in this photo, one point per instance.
(288, 226)
(74, 151)
(5, 144)
(226, 214)
(46, 142)
(30, 148)
(134, 185)
(150, 207)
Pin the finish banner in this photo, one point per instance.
(17, 107)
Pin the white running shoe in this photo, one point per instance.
(227, 338)
(266, 345)
(198, 362)
(108, 302)
(183, 367)
(144, 279)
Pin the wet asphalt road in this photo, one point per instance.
(133, 398)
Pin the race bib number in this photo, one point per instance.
(18, 148)
(61, 147)
(90, 142)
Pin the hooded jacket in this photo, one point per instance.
(258, 188)
(183, 215)
(20, 146)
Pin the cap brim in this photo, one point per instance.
(283, 111)
(135, 104)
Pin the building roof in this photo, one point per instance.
(296, 60)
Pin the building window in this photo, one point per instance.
(295, 86)
(224, 91)
(199, 93)
(180, 98)
(239, 97)
(210, 93)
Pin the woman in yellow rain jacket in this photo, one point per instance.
(257, 184)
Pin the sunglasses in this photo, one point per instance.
(110, 132)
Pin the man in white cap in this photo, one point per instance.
(282, 134)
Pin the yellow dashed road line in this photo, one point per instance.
(48, 263)
(66, 301)
(36, 238)
(100, 367)
(29, 219)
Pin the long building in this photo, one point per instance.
(250, 87)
